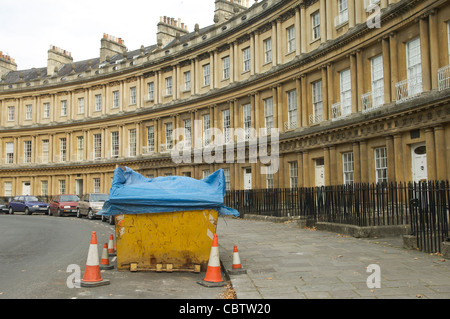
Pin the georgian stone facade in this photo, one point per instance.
(359, 91)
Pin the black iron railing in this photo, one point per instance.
(424, 206)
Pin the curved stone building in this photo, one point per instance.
(358, 90)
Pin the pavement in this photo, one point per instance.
(284, 261)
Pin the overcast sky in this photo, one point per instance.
(29, 27)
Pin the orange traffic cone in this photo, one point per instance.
(213, 276)
(104, 262)
(237, 267)
(92, 277)
(111, 246)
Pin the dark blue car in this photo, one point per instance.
(28, 205)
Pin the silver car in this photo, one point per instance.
(91, 204)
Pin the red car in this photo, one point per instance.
(62, 205)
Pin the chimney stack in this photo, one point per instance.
(168, 29)
(110, 46)
(57, 58)
(7, 64)
(226, 9)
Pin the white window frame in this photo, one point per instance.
(414, 67)
(206, 75)
(169, 86)
(293, 174)
(63, 108)
(292, 109)
(377, 78)
(81, 105)
(317, 99)
(187, 133)
(268, 50)
(348, 168)
(151, 90)
(8, 189)
(346, 92)
(226, 172)
(97, 146)
(187, 80)
(115, 99)
(63, 149)
(151, 138)
(44, 188)
(247, 119)
(268, 113)
(226, 125)
(226, 67)
(45, 151)
(46, 110)
(290, 34)
(11, 113)
(62, 186)
(206, 129)
(246, 60)
(315, 20)
(80, 148)
(115, 144)
(133, 98)
(98, 102)
(29, 112)
(270, 183)
(27, 151)
(381, 169)
(97, 185)
(169, 137)
(9, 151)
(132, 142)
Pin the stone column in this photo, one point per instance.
(441, 167)
(394, 64)
(425, 53)
(357, 162)
(387, 70)
(364, 162)
(390, 158)
(431, 154)
(434, 48)
(398, 158)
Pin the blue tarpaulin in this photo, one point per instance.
(132, 193)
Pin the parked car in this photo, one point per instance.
(62, 205)
(3, 206)
(27, 204)
(110, 219)
(91, 204)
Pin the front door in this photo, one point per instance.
(419, 162)
(247, 178)
(79, 187)
(320, 173)
(26, 188)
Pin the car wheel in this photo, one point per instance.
(27, 211)
(48, 212)
(103, 218)
(111, 220)
(90, 215)
(11, 211)
(60, 213)
(78, 213)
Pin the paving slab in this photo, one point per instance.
(284, 261)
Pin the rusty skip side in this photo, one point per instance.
(165, 242)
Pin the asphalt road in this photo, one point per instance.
(36, 251)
